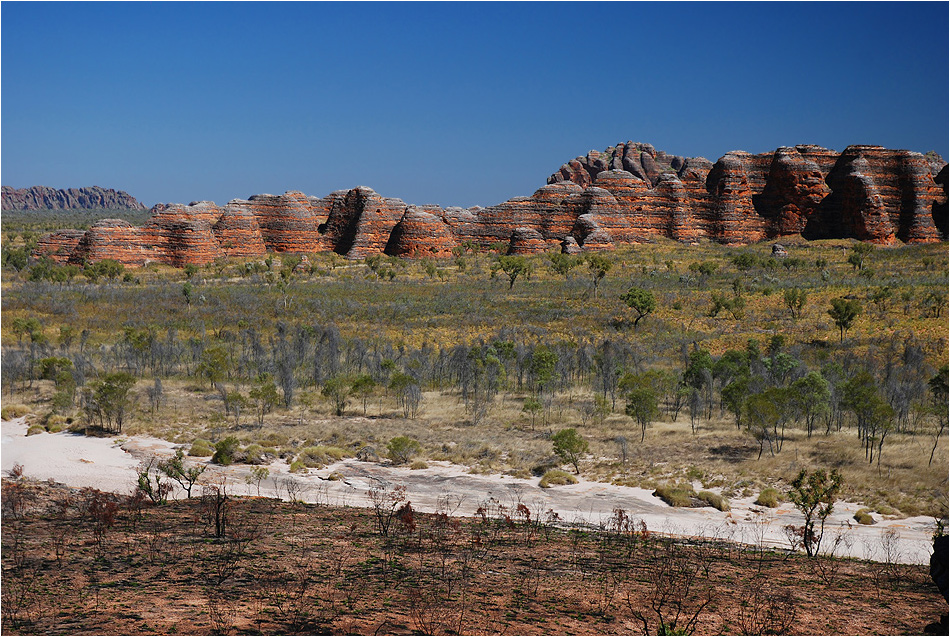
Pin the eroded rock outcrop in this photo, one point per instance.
(421, 234)
(627, 194)
(59, 245)
(45, 198)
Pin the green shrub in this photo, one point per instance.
(714, 500)
(225, 450)
(768, 497)
(201, 448)
(555, 477)
(254, 454)
(679, 495)
(863, 516)
(298, 466)
(402, 448)
(55, 423)
(9, 412)
(419, 464)
(35, 429)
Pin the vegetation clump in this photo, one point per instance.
(9, 412)
(201, 448)
(676, 495)
(554, 477)
(714, 500)
(768, 497)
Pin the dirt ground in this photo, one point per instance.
(82, 562)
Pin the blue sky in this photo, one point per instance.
(455, 103)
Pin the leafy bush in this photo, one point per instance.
(402, 448)
(714, 500)
(556, 476)
(297, 466)
(570, 446)
(419, 464)
(35, 429)
(679, 495)
(9, 412)
(768, 497)
(224, 450)
(55, 423)
(863, 516)
(201, 448)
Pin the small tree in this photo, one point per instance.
(795, 299)
(402, 448)
(642, 406)
(157, 492)
(843, 312)
(640, 301)
(337, 391)
(598, 265)
(224, 450)
(532, 406)
(176, 469)
(570, 446)
(859, 252)
(110, 400)
(814, 495)
(264, 396)
(514, 267)
(363, 386)
(563, 263)
(258, 475)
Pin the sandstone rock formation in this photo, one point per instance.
(59, 245)
(629, 193)
(44, 198)
(421, 233)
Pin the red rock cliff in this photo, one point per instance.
(626, 194)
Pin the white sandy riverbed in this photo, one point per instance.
(110, 464)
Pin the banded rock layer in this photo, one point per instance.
(630, 193)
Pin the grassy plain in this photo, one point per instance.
(416, 315)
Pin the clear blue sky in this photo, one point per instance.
(456, 103)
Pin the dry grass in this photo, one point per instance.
(717, 456)
(415, 309)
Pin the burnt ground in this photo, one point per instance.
(83, 562)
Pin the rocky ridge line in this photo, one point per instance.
(45, 198)
(628, 194)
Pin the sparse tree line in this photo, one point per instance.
(766, 388)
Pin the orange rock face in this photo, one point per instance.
(238, 233)
(421, 234)
(112, 239)
(626, 194)
(527, 241)
(178, 235)
(58, 245)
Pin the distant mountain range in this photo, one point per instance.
(45, 198)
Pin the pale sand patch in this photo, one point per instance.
(110, 464)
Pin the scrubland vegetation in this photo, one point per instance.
(723, 367)
(703, 372)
